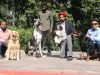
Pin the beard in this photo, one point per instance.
(44, 10)
(4, 28)
(62, 21)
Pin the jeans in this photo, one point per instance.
(46, 39)
(66, 50)
(63, 47)
(3, 48)
(98, 47)
(92, 46)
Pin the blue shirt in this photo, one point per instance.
(94, 34)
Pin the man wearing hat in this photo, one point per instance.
(67, 36)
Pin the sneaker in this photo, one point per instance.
(1, 57)
(69, 58)
(48, 54)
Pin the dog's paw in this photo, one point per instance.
(18, 59)
(6, 59)
(38, 55)
(43, 56)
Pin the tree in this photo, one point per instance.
(22, 12)
(83, 11)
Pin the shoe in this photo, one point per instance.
(62, 57)
(69, 58)
(48, 54)
(81, 58)
(1, 57)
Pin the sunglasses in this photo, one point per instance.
(94, 23)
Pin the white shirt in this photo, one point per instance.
(64, 36)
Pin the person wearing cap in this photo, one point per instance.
(4, 35)
(67, 36)
(46, 24)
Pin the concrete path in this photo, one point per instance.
(52, 64)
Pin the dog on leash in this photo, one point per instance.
(13, 50)
(86, 45)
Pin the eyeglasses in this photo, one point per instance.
(94, 23)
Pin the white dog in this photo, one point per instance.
(58, 35)
(38, 36)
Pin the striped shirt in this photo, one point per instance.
(4, 35)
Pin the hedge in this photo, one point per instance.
(26, 34)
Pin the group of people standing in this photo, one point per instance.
(46, 18)
(46, 28)
(47, 25)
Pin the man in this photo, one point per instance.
(67, 30)
(4, 35)
(94, 35)
(46, 25)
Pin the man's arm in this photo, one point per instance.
(71, 27)
(97, 37)
(1, 40)
(51, 21)
(89, 36)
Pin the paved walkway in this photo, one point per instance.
(52, 64)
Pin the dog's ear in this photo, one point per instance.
(10, 36)
(17, 33)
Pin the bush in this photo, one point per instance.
(26, 34)
(76, 46)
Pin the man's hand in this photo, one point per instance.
(6, 41)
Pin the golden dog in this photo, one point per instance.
(13, 51)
